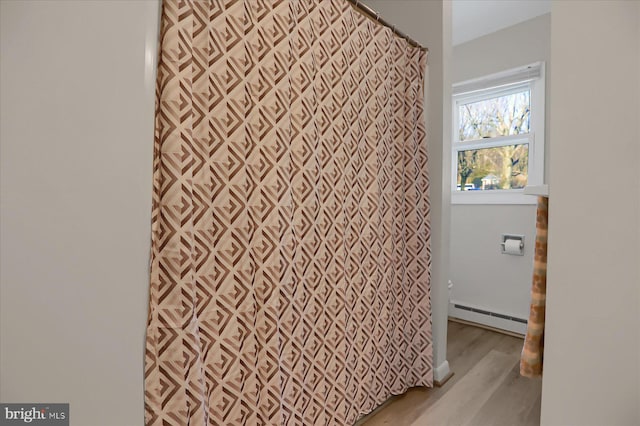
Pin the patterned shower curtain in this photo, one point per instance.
(290, 236)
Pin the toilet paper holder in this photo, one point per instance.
(519, 239)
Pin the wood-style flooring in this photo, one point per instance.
(485, 390)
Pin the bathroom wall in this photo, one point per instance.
(483, 277)
(77, 103)
(592, 337)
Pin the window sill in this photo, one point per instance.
(542, 190)
(514, 196)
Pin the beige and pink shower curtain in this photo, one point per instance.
(290, 236)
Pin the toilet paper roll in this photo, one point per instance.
(512, 247)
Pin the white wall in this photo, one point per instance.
(77, 103)
(481, 275)
(592, 342)
(429, 23)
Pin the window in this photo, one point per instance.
(498, 137)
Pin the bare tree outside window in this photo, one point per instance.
(503, 167)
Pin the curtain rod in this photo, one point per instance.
(366, 10)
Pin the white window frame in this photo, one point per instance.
(516, 80)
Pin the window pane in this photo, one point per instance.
(503, 167)
(501, 116)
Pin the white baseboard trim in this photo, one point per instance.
(491, 321)
(441, 372)
(487, 327)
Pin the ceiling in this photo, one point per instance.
(475, 18)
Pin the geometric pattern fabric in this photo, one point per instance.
(290, 260)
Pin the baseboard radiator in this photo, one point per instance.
(490, 314)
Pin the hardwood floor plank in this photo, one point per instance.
(512, 403)
(470, 394)
(533, 417)
(458, 342)
(467, 347)
(402, 410)
(510, 345)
